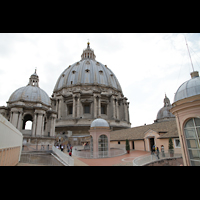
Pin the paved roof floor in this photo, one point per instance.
(124, 160)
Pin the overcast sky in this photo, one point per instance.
(147, 65)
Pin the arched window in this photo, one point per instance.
(192, 134)
(27, 123)
(103, 146)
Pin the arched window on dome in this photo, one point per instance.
(192, 135)
(103, 146)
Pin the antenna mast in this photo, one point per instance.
(189, 54)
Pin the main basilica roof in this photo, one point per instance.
(87, 71)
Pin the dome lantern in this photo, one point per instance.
(34, 80)
(88, 53)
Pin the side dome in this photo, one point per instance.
(189, 88)
(87, 71)
(164, 113)
(31, 93)
(99, 123)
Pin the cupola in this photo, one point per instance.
(34, 80)
(88, 53)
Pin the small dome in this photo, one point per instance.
(189, 88)
(99, 123)
(164, 113)
(31, 93)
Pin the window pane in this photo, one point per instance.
(198, 131)
(103, 146)
(103, 109)
(190, 123)
(70, 109)
(86, 109)
(197, 121)
(194, 154)
(177, 143)
(195, 163)
(192, 144)
(190, 133)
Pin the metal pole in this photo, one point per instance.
(189, 54)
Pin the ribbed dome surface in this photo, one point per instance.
(87, 72)
(31, 94)
(188, 89)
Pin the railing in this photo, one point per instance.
(35, 147)
(79, 151)
(64, 157)
(143, 160)
(38, 159)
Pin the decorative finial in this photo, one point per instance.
(166, 101)
(88, 43)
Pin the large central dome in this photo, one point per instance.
(87, 71)
(85, 91)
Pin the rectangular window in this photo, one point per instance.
(86, 108)
(70, 109)
(103, 109)
(177, 143)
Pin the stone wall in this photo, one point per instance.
(10, 143)
(167, 162)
